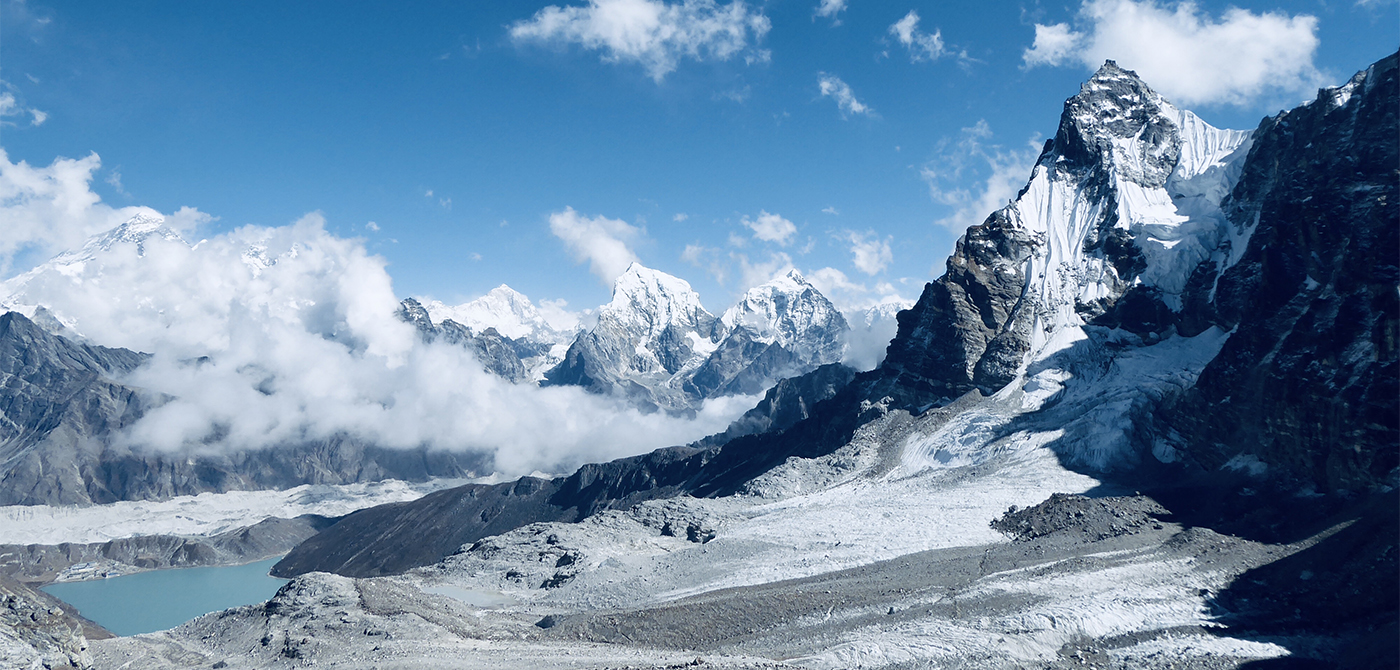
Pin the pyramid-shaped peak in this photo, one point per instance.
(136, 230)
(508, 295)
(1115, 79)
(639, 279)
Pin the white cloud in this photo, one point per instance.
(372, 227)
(651, 33)
(771, 228)
(753, 273)
(869, 253)
(996, 175)
(921, 45)
(600, 241)
(1186, 54)
(680, 217)
(302, 344)
(46, 210)
(832, 87)
(830, 210)
(830, 8)
(1053, 45)
(11, 106)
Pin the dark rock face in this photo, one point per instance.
(53, 394)
(1308, 381)
(61, 409)
(965, 317)
(972, 327)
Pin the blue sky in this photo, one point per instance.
(536, 144)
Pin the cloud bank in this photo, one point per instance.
(269, 336)
(656, 35)
(46, 210)
(1184, 53)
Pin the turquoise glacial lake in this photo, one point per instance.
(161, 599)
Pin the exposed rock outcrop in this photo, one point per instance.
(1307, 385)
(40, 631)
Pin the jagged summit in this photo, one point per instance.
(785, 310)
(507, 310)
(653, 300)
(136, 230)
(655, 343)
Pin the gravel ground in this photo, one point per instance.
(841, 562)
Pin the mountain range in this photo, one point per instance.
(1202, 314)
(1146, 418)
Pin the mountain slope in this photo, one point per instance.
(1306, 387)
(62, 410)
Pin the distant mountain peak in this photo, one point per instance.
(651, 301)
(135, 230)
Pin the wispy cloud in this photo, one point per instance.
(921, 45)
(995, 175)
(1186, 54)
(14, 112)
(828, 9)
(307, 347)
(601, 242)
(656, 35)
(832, 87)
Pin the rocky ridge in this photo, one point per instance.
(656, 345)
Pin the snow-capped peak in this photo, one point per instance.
(1128, 193)
(649, 301)
(785, 310)
(135, 230)
(503, 308)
